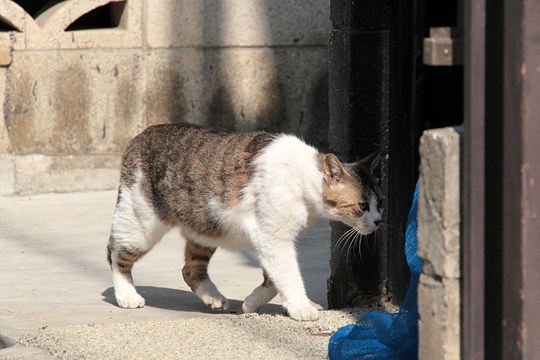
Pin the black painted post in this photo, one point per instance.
(382, 97)
(359, 120)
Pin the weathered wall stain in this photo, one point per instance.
(125, 114)
(20, 112)
(268, 112)
(221, 110)
(272, 111)
(70, 102)
(127, 104)
(165, 99)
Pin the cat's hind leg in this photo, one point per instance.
(121, 260)
(135, 230)
(260, 296)
(195, 274)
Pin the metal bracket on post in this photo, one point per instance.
(443, 47)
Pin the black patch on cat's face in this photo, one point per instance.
(369, 183)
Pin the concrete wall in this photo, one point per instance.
(71, 97)
(439, 245)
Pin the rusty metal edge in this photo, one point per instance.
(473, 196)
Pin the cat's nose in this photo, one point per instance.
(377, 222)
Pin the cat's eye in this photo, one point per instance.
(364, 206)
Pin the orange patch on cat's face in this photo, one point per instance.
(344, 198)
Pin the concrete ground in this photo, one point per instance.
(54, 275)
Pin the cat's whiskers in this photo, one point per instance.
(348, 243)
(344, 243)
(349, 248)
(345, 240)
(344, 237)
(358, 238)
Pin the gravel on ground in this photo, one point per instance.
(245, 336)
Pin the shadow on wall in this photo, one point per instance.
(248, 78)
(240, 69)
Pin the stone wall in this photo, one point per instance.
(439, 245)
(78, 79)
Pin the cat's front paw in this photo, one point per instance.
(216, 302)
(305, 312)
(211, 297)
(130, 301)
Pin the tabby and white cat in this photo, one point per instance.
(236, 191)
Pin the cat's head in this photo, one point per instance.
(351, 193)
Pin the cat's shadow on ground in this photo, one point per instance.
(181, 300)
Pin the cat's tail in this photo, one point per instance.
(111, 240)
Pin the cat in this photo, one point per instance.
(237, 191)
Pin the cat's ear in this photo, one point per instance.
(370, 162)
(333, 170)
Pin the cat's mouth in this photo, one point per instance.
(370, 229)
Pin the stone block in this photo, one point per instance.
(40, 173)
(439, 324)
(439, 244)
(228, 23)
(73, 102)
(47, 29)
(439, 203)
